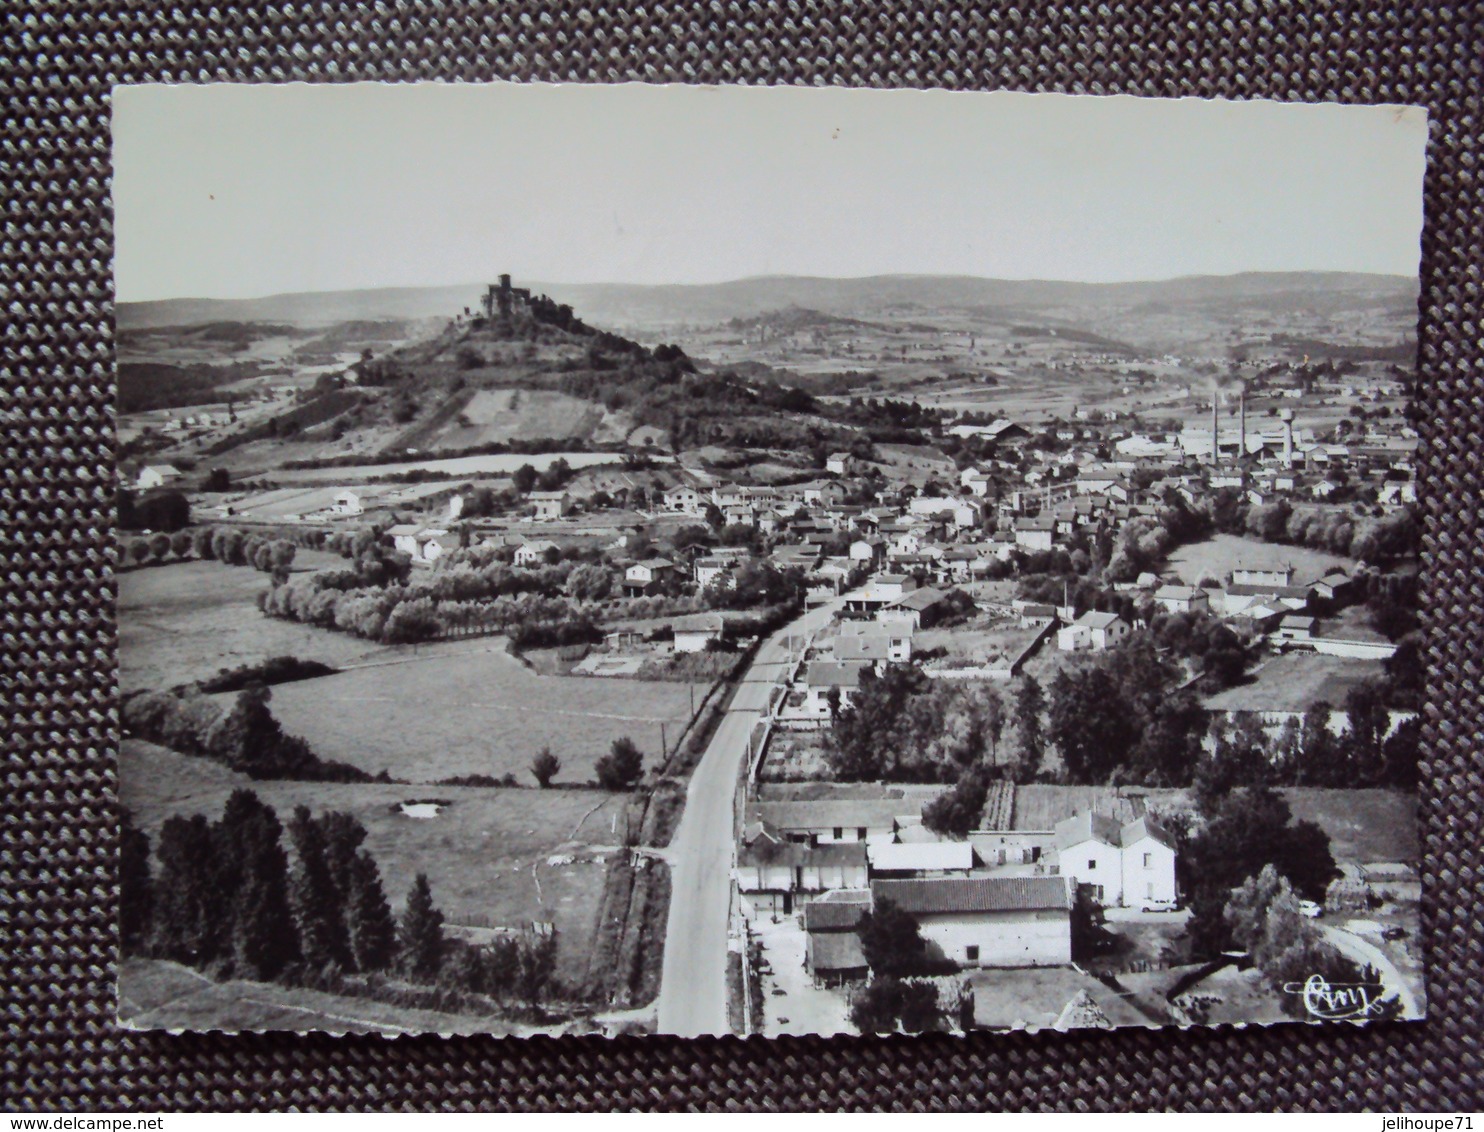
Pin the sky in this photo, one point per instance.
(241, 191)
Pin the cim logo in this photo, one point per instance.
(1337, 1001)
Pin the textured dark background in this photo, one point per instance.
(58, 62)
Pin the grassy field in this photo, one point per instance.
(494, 858)
(520, 414)
(188, 620)
(1296, 681)
(154, 994)
(982, 645)
(1215, 557)
(1363, 825)
(495, 465)
(471, 708)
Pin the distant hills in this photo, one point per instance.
(626, 307)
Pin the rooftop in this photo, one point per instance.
(926, 856)
(944, 895)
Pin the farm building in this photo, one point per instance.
(832, 947)
(1296, 627)
(921, 609)
(774, 873)
(156, 475)
(404, 537)
(989, 921)
(829, 820)
(926, 858)
(347, 503)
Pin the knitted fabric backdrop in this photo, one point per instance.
(57, 869)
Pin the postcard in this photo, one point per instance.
(690, 560)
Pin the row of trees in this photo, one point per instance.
(245, 738)
(222, 544)
(223, 896)
(1360, 744)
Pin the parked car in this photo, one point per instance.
(1310, 909)
(1394, 933)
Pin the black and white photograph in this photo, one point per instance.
(658, 559)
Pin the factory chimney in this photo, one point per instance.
(1215, 438)
(1242, 415)
(1286, 416)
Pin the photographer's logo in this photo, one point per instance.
(1336, 1001)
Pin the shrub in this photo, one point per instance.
(623, 766)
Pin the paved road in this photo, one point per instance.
(1363, 951)
(693, 986)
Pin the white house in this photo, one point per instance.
(1262, 575)
(1182, 599)
(708, 570)
(822, 676)
(684, 498)
(643, 578)
(156, 475)
(1129, 866)
(533, 553)
(867, 551)
(867, 640)
(976, 481)
(435, 544)
(347, 503)
(1035, 534)
(1094, 631)
(696, 631)
(405, 537)
(993, 921)
(839, 463)
(549, 504)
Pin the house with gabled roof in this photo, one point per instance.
(152, 476)
(646, 577)
(1182, 599)
(1130, 865)
(534, 552)
(1095, 631)
(822, 677)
